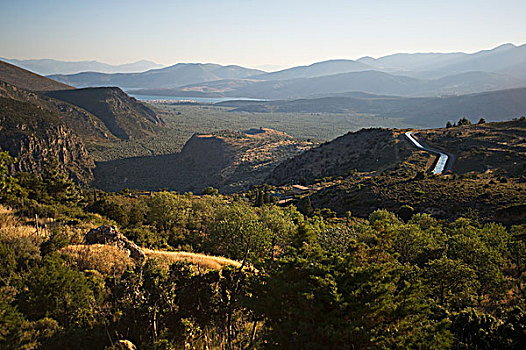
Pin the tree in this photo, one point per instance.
(481, 121)
(451, 282)
(9, 187)
(211, 191)
(58, 186)
(317, 300)
(449, 125)
(238, 233)
(464, 121)
(55, 290)
(166, 210)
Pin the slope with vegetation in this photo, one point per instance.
(95, 114)
(316, 282)
(487, 179)
(484, 147)
(365, 151)
(226, 160)
(82, 122)
(39, 126)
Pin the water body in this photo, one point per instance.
(190, 99)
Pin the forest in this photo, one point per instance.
(305, 278)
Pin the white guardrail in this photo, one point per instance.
(442, 159)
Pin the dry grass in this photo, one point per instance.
(105, 258)
(200, 260)
(18, 234)
(111, 260)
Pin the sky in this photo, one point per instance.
(252, 33)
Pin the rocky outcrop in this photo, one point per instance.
(227, 160)
(35, 136)
(109, 234)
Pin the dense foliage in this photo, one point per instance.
(306, 281)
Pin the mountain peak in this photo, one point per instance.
(506, 46)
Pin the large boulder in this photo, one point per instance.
(109, 234)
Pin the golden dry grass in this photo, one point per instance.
(109, 259)
(200, 260)
(18, 234)
(106, 258)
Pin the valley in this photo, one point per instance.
(377, 203)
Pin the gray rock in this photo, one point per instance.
(109, 234)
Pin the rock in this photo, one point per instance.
(109, 234)
(125, 345)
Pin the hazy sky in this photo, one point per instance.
(250, 32)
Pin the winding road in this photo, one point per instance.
(443, 158)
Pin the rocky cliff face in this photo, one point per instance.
(35, 136)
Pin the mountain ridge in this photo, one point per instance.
(179, 74)
(48, 66)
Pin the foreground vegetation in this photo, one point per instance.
(304, 280)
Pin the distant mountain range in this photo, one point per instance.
(170, 77)
(372, 81)
(419, 74)
(49, 66)
(316, 70)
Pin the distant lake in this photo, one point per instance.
(192, 99)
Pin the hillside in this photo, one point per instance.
(82, 122)
(124, 116)
(505, 57)
(26, 80)
(501, 58)
(315, 70)
(177, 75)
(364, 151)
(35, 136)
(487, 173)
(229, 161)
(98, 114)
(484, 148)
(425, 112)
